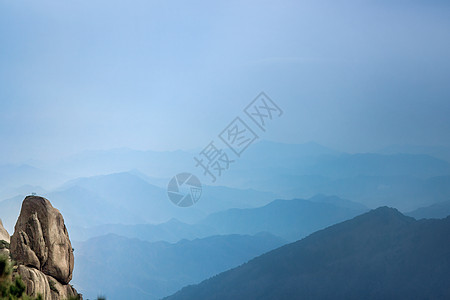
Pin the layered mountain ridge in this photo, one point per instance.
(381, 254)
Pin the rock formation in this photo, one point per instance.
(4, 235)
(4, 240)
(42, 250)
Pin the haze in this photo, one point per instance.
(352, 75)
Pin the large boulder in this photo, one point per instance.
(41, 241)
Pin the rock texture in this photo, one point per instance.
(4, 235)
(4, 241)
(41, 241)
(47, 286)
(42, 250)
(35, 281)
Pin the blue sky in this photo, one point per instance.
(165, 75)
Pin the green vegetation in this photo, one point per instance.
(74, 298)
(4, 244)
(11, 289)
(52, 285)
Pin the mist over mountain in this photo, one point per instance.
(405, 192)
(266, 172)
(159, 274)
(15, 178)
(185, 140)
(171, 231)
(164, 164)
(381, 254)
(10, 209)
(406, 181)
(127, 198)
(124, 268)
(435, 211)
(289, 219)
(161, 164)
(440, 152)
(132, 204)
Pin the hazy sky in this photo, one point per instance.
(353, 75)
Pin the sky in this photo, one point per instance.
(164, 75)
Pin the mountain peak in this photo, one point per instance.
(377, 219)
(378, 255)
(386, 210)
(388, 213)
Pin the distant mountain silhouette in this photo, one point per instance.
(289, 219)
(371, 164)
(10, 209)
(171, 231)
(440, 152)
(167, 163)
(406, 181)
(381, 254)
(124, 268)
(435, 211)
(154, 163)
(128, 198)
(337, 201)
(15, 177)
(404, 192)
